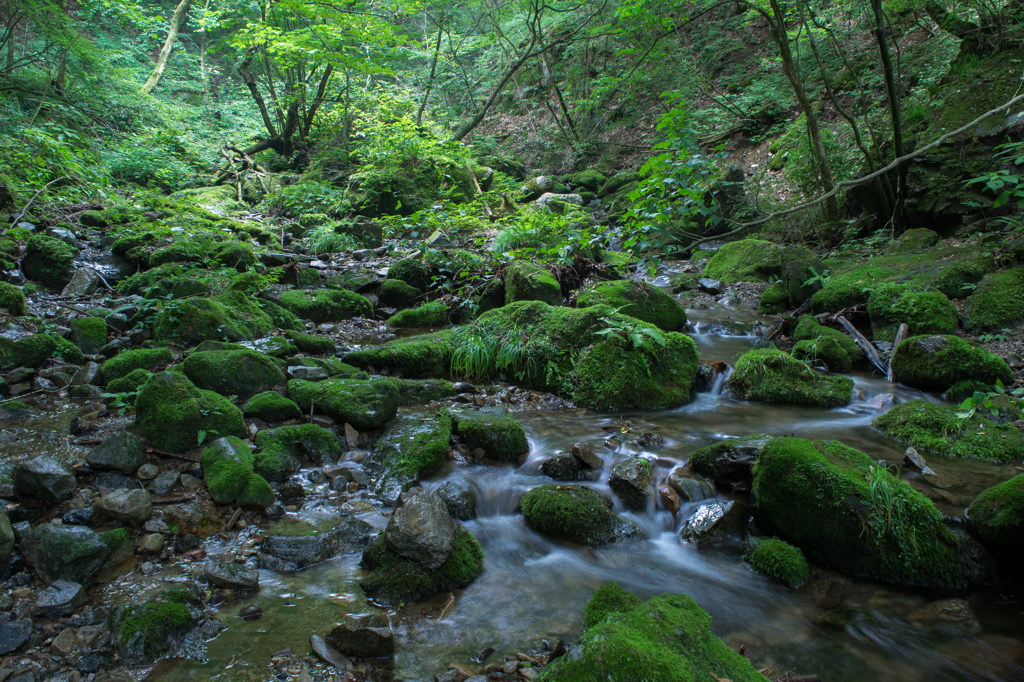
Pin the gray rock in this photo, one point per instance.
(155, 525)
(14, 634)
(166, 481)
(59, 599)
(421, 529)
(6, 537)
(149, 544)
(83, 282)
(128, 506)
(293, 552)
(690, 489)
(460, 499)
(329, 654)
(89, 375)
(631, 481)
(557, 202)
(562, 467)
(714, 521)
(729, 461)
(148, 472)
(587, 456)
(367, 637)
(711, 286)
(72, 553)
(122, 452)
(46, 479)
(231, 576)
(65, 235)
(913, 460)
(308, 373)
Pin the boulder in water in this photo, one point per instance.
(996, 516)
(777, 560)
(715, 520)
(395, 579)
(72, 553)
(497, 433)
(410, 447)
(771, 376)
(729, 461)
(562, 467)
(631, 481)
(575, 512)
(421, 529)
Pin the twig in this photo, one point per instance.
(25, 209)
(900, 335)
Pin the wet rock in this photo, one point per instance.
(193, 517)
(122, 452)
(251, 612)
(148, 472)
(410, 447)
(367, 405)
(111, 480)
(308, 373)
(913, 460)
(87, 376)
(293, 552)
(631, 480)
(996, 515)
(714, 521)
(460, 499)
(937, 362)
(45, 478)
(500, 435)
(93, 662)
(669, 498)
(329, 654)
(64, 644)
(562, 467)
(575, 512)
(187, 542)
(61, 598)
(80, 517)
(945, 611)
(166, 482)
(366, 637)
(710, 286)
(14, 634)
(231, 576)
(72, 553)
(128, 506)
(729, 461)
(150, 544)
(690, 489)
(586, 456)
(6, 537)
(421, 528)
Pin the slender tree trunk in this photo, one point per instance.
(430, 82)
(894, 111)
(9, 68)
(202, 56)
(165, 52)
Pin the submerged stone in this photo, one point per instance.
(497, 433)
(294, 552)
(630, 480)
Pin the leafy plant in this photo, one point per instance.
(822, 278)
(326, 240)
(480, 351)
(984, 400)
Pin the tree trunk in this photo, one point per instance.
(165, 52)
(202, 56)
(468, 128)
(894, 112)
(430, 82)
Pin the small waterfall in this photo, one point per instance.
(722, 372)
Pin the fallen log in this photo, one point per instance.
(865, 345)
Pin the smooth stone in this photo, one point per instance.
(155, 525)
(231, 576)
(421, 528)
(630, 481)
(329, 654)
(87, 376)
(154, 542)
(122, 452)
(308, 373)
(366, 637)
(83, 282)
(714, 520)
(587, 456)
(251, 612)
(61, 598)
(166, 482)
(45, 478)
(64, 644)
(913, 460)
(690, 489)
(148, 472)
(128, 506)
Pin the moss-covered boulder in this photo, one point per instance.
(184, 251)
(665, 639)
(129, 384)
(608, 600)
(415, 273)
(822, 496)
(28, 351)
(777, 560)
(802, 274)
(575, 512)
(228, 470)
(12, 298)
(410, 447)
(996, 516)
(394, 579)
(308, 343)
(127, 362)
(636, 299)
(58, 552)
(239, 373)
(497, 433)
(924, 312)
(525, 281)
(936, 428)
(231, 316)
(934, 363)
(235, 255)
(917, 239)
(823, 350)
(326, 305)
(997, 302)
(394, 293)
(146, 632)
(89, 333)
(771, 376)
(271, 406)
(177, 417)
(280, 449)
(68, 351)
(418, 392)
(430, 314)
(281, 318)
(748, 260)
(774, 300)
(808, 329)
(416, 357)
(48, 260)
(366, 405)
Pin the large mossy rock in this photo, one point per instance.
(997, 302)
(498, 434)
(123, 364)
(818, 495)
(326, 305)
(425, 356)
(808, 329)
(525, 281)
(410, 447)
(48, 260)
(801, 274)
(636, 299)
(430, 314)
(777, 560)
(146, 632)
(12, 299)
(271, 406)
(366, 405)
(935, 363)
(176, 416)
(228, 470)
(240, 373)
(394, 293)
(924, 312)
(665, 639)
(575, 512)
(415, 273)
(395, 579)
(231, 316)
(996, 516)
(770, 376)
(28, 351)
(729, 461)
(748, 260)
(280, 449)
(936, 428)
(89, 334)
(72, 553)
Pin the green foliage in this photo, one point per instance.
(536, 229)
(308, 195)
(481, 350)
(154, 158)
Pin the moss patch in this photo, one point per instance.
(769, 375)
(636, 299)
(366, 405)
(12, 298)
(233, 372)
(431, 314)
(89, 333)
(28, 351)
(609, 599)
(574, 512)
(997, 514)
(935, 363)
(280, 449)
(177, 417)
(308, 343)
(525, 281)
(997, 303)
(326, 305)
(748, 260)
(778, 560)
(48, 260)
(500, 435)
(231, 316)
(410, 447)
(824, 349)
(924, 312)
(124, 363)
(228, 470)
(774, 300)
(416, 357)
(395, 293)
(396, 580)
(271, 406)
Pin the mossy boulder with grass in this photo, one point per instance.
(774, 300)
(396, 580)
(525, 281)
(924, 312)
(575, 512)
(636, 299)
(777, 560)
(366, 405)
(771, 376)
(67, 351)
(149, 631)
(308, 343)
(48, 260)
(421, 391)
(413, 272)
(411, 447)
(938, 429)
(748, 260)
(239, 373)
(280, 450)
(12, 298)
(185, 251)
(235, 255)
(89, 333)
(851, 515)
(394, 293)
(229, 474)
(802, 274)
(609, 599)
(129, 384)
(934, 363)
(498, 434)
(996, 516)
(423, 356)
(808, 329)
(28, 351)
(177, 417)
(281, 318)
(231, 316)
(824, 350)
(430, 314)
(997, 302)
(326, 305)
(271, 406)
(665, 639)
(124, 363)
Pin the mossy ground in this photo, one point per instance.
(425, 356)
(636, 299)
(769, 375)
(778, 560)
(396, 580)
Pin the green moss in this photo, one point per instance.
(500, 435)
(748, 260)
(636, 299)
(937, 429)
(227, 467)
(609, 599)
(235, 255)
(937, 362)
(272, 407)
(178, 252)
(924, 312)
(573, 512)
(12, 298)
(778, 560)
(611, 375)
(9, 247)
(48, 260)
(413, 272)
(308, 343)
(430, 314)
(233, 372)
(914, 240)
(808, 329)
(89, 333)
(131, 241)
(129, 383)
(665, 639)
(119, 544)
(998, 302)
(419, 392)
(124, 363)
(28, 351)
(410, 447)
(177, 417)
(819, 496)
(147, 627)
(965, 389)
(231, 316)
(824, 349)
(524, 281)
(366, 405)
(774, 300)
(769, 375)
(67, 351)
(326, 305)
(396, 580)
(997, 514)
(280, 448)
(257, 494)
(417, 357)
(395, 293)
